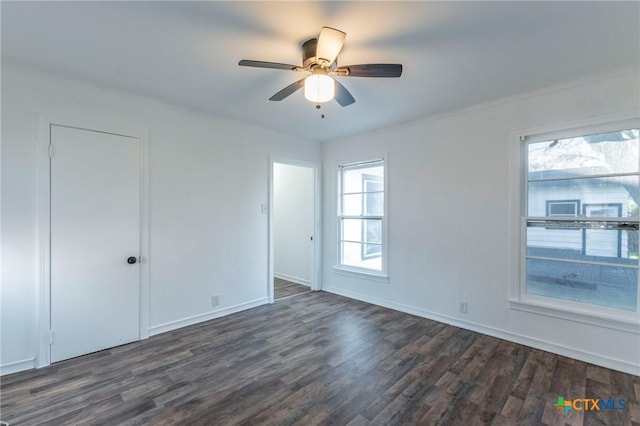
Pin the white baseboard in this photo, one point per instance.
(608, 362)
(292, 279)
(29, 363)
(16, 366)
(173, 325)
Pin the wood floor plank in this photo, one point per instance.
(283, 288)
(316, 359)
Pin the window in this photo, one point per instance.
(563, 208)
(361, 216)
(580, 218)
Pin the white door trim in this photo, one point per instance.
(316, 283)
(43, 345)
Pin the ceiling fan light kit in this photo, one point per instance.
(319, 88)
(319, 57)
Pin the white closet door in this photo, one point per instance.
(95, 228)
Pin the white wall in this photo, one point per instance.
(449, 217)
(208, 179)
(449, 200)
(293, 195)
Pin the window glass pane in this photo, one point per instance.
(586, 245)
(604, 153)
(361, 255)
(366, 179)
(363, 204)
(373, 231)
(609, 286)
(371, 250)
(352, 204)
(374, 204)
(365, 230)
(352, 229)
(556, 243)
(596, 197)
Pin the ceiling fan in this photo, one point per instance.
(319, 57)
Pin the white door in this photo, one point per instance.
(95, 228)
(602, 242)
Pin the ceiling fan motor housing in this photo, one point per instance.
(309, 59)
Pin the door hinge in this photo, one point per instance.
(50, 151)
(51, 337)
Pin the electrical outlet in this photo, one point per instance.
(215, 300)
(463, 307)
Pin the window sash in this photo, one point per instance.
(579, 223)
(366, 246)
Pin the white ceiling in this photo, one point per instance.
(455, 54)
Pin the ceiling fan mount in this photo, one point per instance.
(320, 58)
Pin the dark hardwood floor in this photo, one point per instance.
(283, 288)
(317, 359)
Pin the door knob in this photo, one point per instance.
(131, 260)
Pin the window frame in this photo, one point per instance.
(380, 275)
(519, 299)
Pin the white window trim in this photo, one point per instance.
(519, 300)
(360, 273)
(353, 271)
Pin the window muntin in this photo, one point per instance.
(361, 216)
(581, 219)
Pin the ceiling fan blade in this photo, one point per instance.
(342, 95)
(370, 70)
(330, 42)
(290, 89)
(262, 64)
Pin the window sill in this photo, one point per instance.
(362, 274)
(628, 323)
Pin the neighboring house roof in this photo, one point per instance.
(583, 156)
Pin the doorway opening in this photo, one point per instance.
(294, 228)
